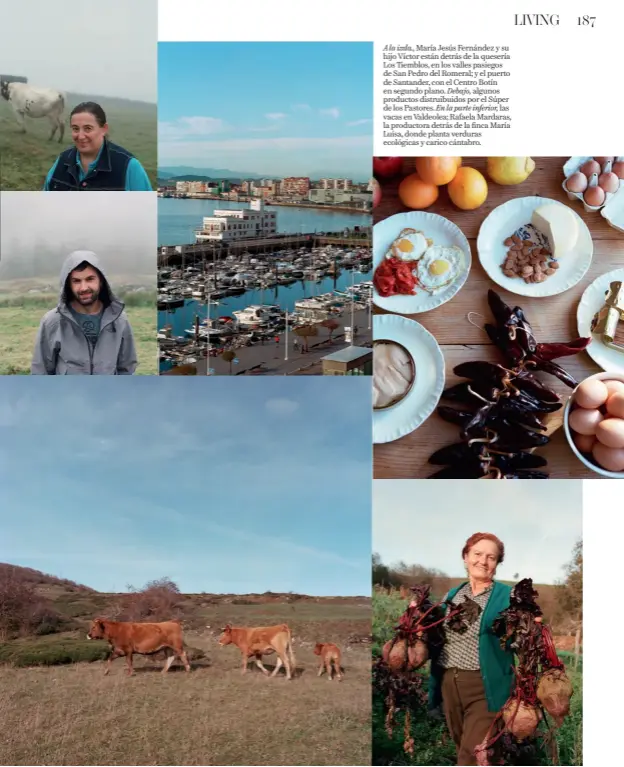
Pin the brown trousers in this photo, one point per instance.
(466, 711)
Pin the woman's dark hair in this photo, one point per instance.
(104, 291)
(93, 109)
(474, 539)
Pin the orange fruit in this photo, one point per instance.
(437, 170)
(416, 193)
(468, 190)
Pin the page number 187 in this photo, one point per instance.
(586, 21)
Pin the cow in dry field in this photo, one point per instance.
(141, 638)
(328, 653)
(28, 101)
(264, 640)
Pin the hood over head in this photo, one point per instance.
(76, 258)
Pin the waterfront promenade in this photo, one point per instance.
(268, 359)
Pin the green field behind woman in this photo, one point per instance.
(26, 158)
(432, 742)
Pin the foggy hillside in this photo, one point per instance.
(117, 57)
(38, 230)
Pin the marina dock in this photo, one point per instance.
(175, 255)
(240, 305)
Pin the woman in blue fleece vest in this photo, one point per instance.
(95, 164)
(472, 676)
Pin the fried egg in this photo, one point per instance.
(408, 246)
(439, 266)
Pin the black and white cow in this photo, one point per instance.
(29, 101)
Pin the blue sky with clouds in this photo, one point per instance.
(223, 485)
(271, 108)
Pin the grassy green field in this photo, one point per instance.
(432, 743)
(20, 316)
(71, 713)
(25, 158)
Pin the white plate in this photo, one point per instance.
(591, 302)
(503, 221)
(421, 400)
(434, 227)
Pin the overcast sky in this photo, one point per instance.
(38, 230)
(427, 523)
(97, 48)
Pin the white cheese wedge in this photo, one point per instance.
(559, 224)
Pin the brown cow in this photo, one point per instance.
(265, 640)
(142, 638)
(328, 652)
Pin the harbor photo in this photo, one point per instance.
(264, 234)
(82, 117)
(78, 284)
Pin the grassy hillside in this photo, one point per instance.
(214, 715)
(26, 158)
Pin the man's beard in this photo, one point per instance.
(87, 299)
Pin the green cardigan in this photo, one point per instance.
(496, 663)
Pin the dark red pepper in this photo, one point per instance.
(550, 352)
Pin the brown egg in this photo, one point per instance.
(577, 182)
(618, 169)
(615, 405)
(614, 386)
(610, 431)
(585, 421)
(589, 167)
(594, 196)
(603, 160)
(584, 442)
(591, 394)
(611, 459)
(609, 182)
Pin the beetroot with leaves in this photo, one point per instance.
(541, 684)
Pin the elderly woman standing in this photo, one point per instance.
(473, 676)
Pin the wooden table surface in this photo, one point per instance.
(553, 318)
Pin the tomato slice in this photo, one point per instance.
(394, 277)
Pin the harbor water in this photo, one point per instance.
(285, 295)
(179, 218)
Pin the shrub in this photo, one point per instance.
(46, 621)
(158, 600)
(61, 651)
(18, 601)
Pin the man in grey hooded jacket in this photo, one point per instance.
(88, 333)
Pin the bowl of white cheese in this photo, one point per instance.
(552, 223)
(394, 373)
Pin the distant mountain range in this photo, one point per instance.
(203, 174)
(188, 173)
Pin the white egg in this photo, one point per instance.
(439, 266)
(408, 246)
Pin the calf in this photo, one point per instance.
(265, 640)
(141, 638)
(28, 101)
(328, 652)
